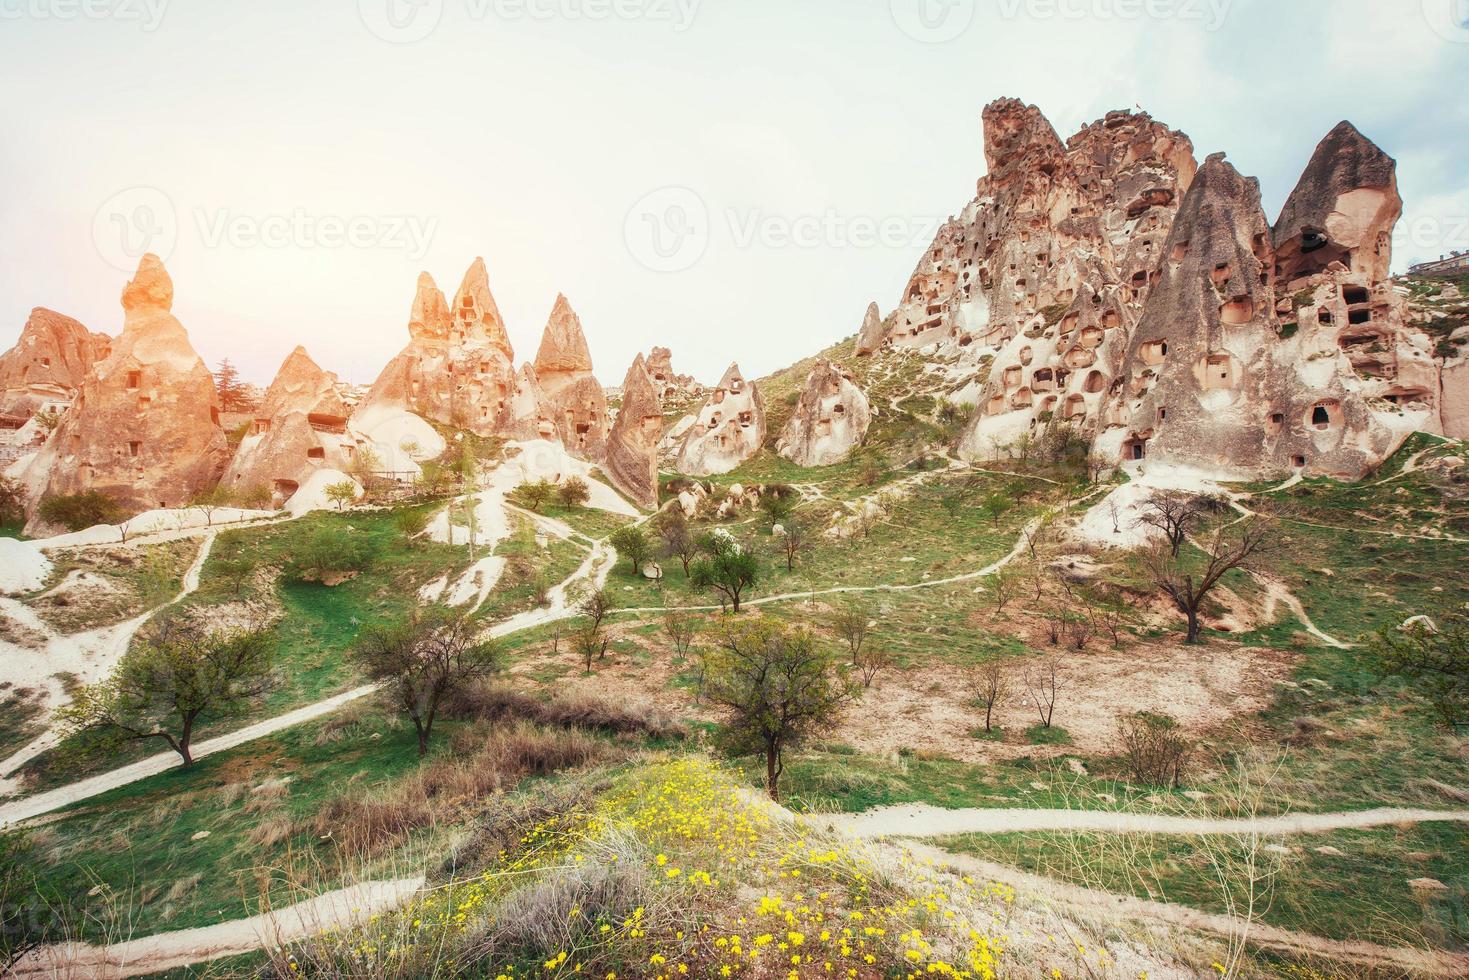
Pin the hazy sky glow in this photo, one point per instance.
(735, 179)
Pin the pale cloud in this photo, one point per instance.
(528, 141)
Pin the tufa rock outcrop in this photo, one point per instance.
(48, 363)
(575, 400)
(1104, 286)
(873, 333)
(457, 368)
(300, 428)
(830, 419)
(1046, 272)
(631, 461)
(1343, 210)
(671, 385)
(144, 426)
(729, 429)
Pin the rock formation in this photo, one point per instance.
(301, 428)
(1343, 210)
(1047, 270)
(631, 461)
(48, 363)
(144, 426)
(458, 366)
(670, 385)
(1098, 284)
(730, 428)
(829, 421)
(873, 333)
(575, 400)
(529, 414)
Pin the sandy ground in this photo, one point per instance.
(1202, 688)
(921, 820)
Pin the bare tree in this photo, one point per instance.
(871, 662)
(796, 540)
(677, 540)
(592, 640)
(1188, 579)
(1037, 533)
(1042, 682)
(989, 683)
(1005, 587)
(853, 624)
(590, 643)
(420, 660)
(681, 628)
(1175, 513)
(596, 606)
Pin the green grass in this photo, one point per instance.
(137, 840)
(835, 778)
(316, 626)
(1363, 894)
(1047, 735)
(20, 718)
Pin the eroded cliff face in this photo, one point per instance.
(300, 428)
(729, 429)
(631, 461)
(458, 366)
(48, 363)
(144, 426)
(830, 418)
(1110, 285)
(575, 399)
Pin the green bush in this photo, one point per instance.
(79, 511)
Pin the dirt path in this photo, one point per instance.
(984, 572)
(1357, 953)
(1276, 592)
(563, 599)
(87, 656)
(921, 820)
(32, 806)
(186, 947)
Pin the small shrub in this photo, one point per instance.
(1154, 749)
(79, 511)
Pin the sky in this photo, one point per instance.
(733, 179)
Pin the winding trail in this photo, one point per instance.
(921, 820)
(1433, 963)
(88, 656)
(984, 572)
(187, 947)
(594, 569)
